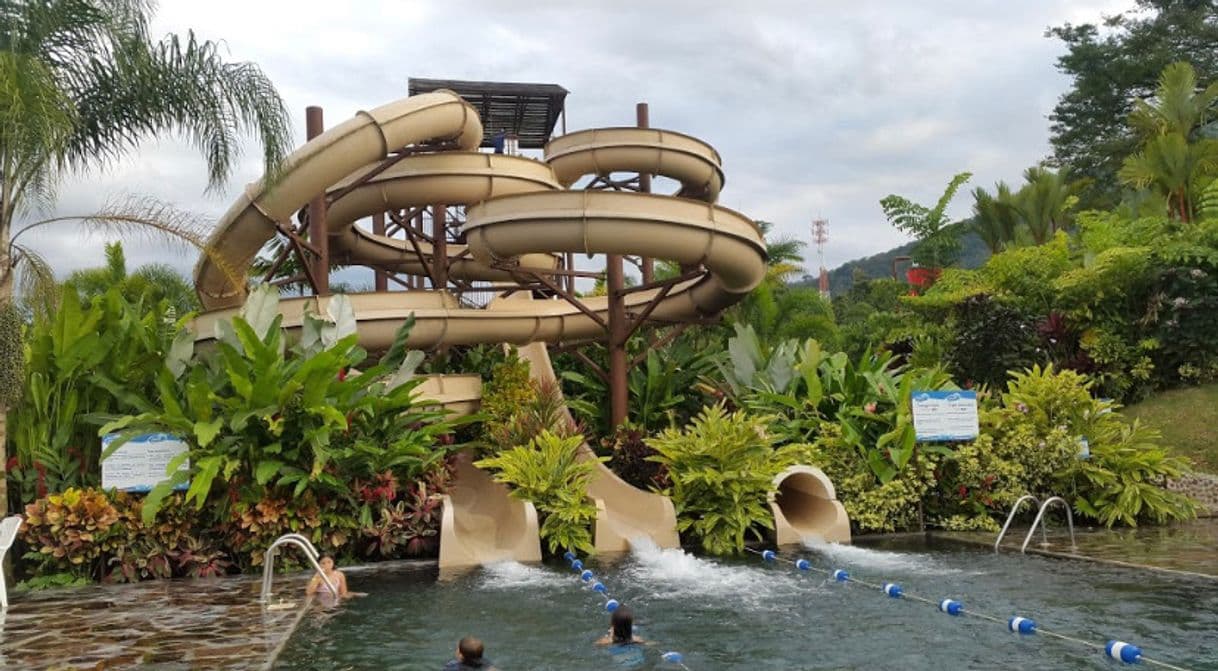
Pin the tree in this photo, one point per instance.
(1044, 203)
(938, 245)
(1175, 161)
(82, 83)
(149, 283)
(995, 217)
(1114, 65)
(784, 255)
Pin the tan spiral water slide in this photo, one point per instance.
(519, 215)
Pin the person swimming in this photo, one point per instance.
(469, 656)
(625, 648)
(335, 576)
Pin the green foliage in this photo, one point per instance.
(1123, 481)
(779, 312)
(260, 420)
(1025, 275)
(1184, 299)
(549, 472)
(1113, 64)
(89, 360)
(721, 467)
(544, 411)
(989, 338)
(149, 284)
(938, 244)
(508, 389)
(629, 452)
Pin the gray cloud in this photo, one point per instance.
(818, 108)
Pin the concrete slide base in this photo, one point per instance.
(805, 506)
(481, 524)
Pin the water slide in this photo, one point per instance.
(520, 214)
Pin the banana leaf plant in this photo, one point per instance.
(260, 418)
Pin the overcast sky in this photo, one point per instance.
(818, 108)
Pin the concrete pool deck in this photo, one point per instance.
(170, 624)
(1189, 548)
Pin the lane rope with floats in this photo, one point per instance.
(1114, 649)
(589, 579)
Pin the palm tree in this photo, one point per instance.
(938, 245)
(784, 254)
(82, 83)
(1044, 202)
(996, 217)
(150, 283)
(1174, 161)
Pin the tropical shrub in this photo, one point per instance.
(262, 423)
(988, 339)
(549, 472)
(509, 388)
(70, 532)
(85, 361)
(722, 467)
(543, 410)
(628, 451)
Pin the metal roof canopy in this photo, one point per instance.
(528, 110)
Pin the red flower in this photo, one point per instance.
(963, 491)
(870, 407)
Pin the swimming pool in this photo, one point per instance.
(746, 614)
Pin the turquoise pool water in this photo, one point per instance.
(746, 614)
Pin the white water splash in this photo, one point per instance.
(509, 575)
(674, 572)
(854, 557)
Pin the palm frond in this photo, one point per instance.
(37, 289)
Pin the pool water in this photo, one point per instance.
(746, 614)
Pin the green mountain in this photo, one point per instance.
(973, 254)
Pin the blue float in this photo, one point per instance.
(803, 564)
(569, 556)
(1021, 625)
(577, 565)
(951, 607)
(599, 586)
(768, 555)
(1125, 652)
(893, 590)
(611, 605)
(840, 575)
(674, 657)
(586, 575)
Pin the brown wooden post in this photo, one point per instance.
(378, 227)
(416, 281)
(643, 120)
(439, 262)
(619, 398)
(319, 236)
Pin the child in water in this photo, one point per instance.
(625, 648)
(469, 656)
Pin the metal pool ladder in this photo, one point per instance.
(1039, 516)
(310, 553)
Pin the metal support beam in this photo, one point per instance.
(587, 361)
(619, 330)
(439, 246)
(319, 236)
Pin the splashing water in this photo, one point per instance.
(675, 573)
(510, 575)
(853, 556)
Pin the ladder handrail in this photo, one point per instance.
(1039, 515)
(1011, 516)
(310, 553)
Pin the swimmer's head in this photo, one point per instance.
(622, 622)
(470, 649)
(327, 562)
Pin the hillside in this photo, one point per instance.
(973, 253)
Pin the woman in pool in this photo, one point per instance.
(624, 646)
(335, 576)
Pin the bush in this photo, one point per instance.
(509, 389)
(629, 459)
(989, 339)
(71, 532)
(722, 467)
(542, 410)
(548, 471)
